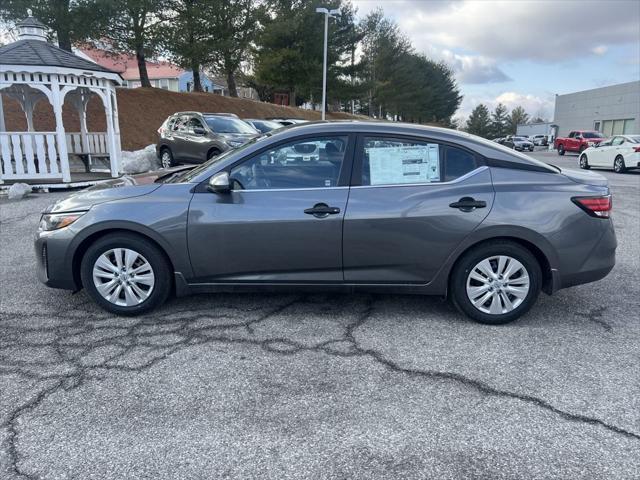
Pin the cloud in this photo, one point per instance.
(534, 105)
(470, 69)
(542, 31)
(599, 50)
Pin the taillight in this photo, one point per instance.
(595, 206)
(636, 149)
(160, 130)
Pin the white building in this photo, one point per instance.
(612, 110)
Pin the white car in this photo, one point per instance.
(621, 153)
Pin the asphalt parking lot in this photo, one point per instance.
(319, 386)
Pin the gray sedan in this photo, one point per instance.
(346, 206)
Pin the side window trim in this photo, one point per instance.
(358, 159)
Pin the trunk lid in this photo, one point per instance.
(585, 177)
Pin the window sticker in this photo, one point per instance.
(397, 165)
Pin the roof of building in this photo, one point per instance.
(127, 65)
(40, 53)
(30, 22)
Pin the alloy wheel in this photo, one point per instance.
(166, 159)
(498, 285)
(123, 277)
(618, 165)
(583, 162)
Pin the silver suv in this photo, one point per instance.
(194, 137)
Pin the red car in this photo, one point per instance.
(577, 141)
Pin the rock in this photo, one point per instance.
(18, 191)
(140, 161)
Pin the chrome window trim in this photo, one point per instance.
(473, 172)
(291, 189)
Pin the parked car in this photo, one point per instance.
(517, 143)
(498, 140)
(539, 140)
(384, 207)
(621, 153)
(194, 137)
(263, 125)
(577, 141)
(288, 121)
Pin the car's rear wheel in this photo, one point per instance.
(619, 165)
(126, 274)
(584, 162)
(560, 149)
(166, 158)
(496, 282)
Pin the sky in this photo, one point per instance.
(522, 52)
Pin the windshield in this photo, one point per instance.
(521, 139)
(592, 135)
(228, 125)
(186, 177)
(265, 125)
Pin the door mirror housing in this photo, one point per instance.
(199, 131)
(219, 183)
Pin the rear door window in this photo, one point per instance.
(397, 161)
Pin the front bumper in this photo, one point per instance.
(54, 261)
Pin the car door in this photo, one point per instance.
(282, 221)
(617, 148)
(180, 139)
(602, 154)
(197, 141)
(412, 202)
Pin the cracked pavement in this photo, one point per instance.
(319, 385)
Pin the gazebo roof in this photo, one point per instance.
(38, 53)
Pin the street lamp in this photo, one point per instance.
(327, 13)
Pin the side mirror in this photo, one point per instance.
(578, 137)
(219, 183)
(199, 131)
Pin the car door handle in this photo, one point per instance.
(468, 204)
(322, 210)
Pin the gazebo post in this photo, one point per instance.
(81, 100)
(114, 158)
(3, 127)
(60, 133)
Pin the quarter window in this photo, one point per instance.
(617, 141)
(308, 163)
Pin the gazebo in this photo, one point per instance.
(32, 70)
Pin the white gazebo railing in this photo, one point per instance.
(96, 143)
(30, 155)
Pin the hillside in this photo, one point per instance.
(142, 111)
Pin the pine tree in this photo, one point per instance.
(479, 122)
(499, 121)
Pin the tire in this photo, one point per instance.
(166, 158)
(584, 162)
(100, 262)
(560, 149)
(214, 152)
(461, 279)
(619, 165)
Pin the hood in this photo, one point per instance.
(585, 177)
(126, 186)
(239, 137)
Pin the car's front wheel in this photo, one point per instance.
(584, 162)
(496, 282)
(126, 274)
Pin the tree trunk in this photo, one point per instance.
(231, 83)
(197, 84)
(292, 97)
(142, 67)
(64, 40)
(62, 24)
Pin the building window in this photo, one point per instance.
(617, 127)
(596, 126)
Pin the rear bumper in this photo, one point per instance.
(598, 263)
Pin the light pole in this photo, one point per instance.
(327, 13)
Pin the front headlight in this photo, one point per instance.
(235, 143)
(55, 221)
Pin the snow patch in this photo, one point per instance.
(140, 161)
(18, 191)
